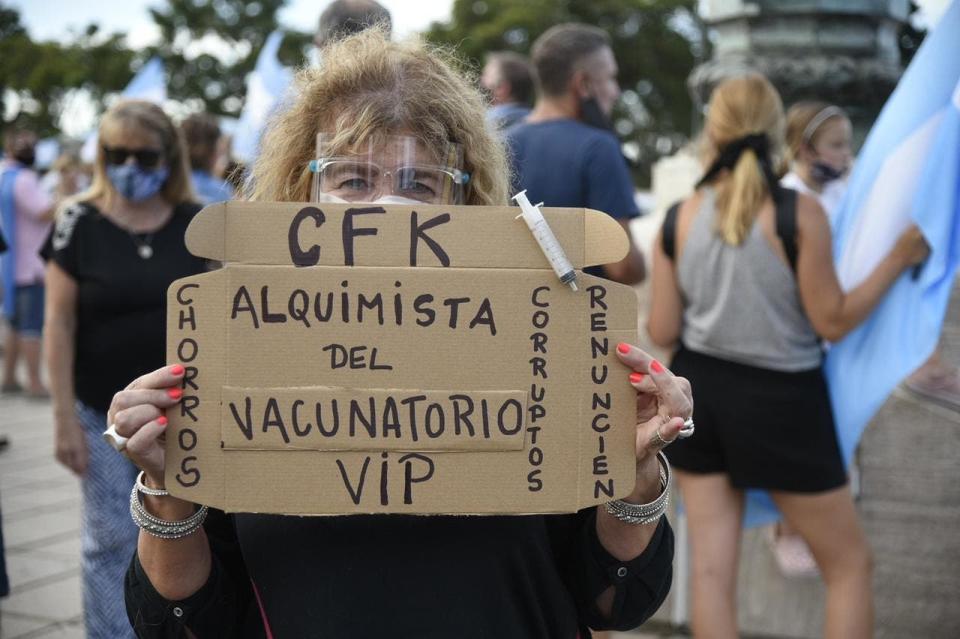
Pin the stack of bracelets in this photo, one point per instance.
(645, 513)
(160, 527)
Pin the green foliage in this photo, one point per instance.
(207, 46)
(44, 75)
(236, 29)
(653, 40)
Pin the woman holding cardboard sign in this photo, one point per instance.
(407, 128)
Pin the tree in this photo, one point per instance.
(653, 40)
(43, 75)
(237, 29)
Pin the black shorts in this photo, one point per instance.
(764, 428)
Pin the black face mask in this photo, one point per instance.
(821, 172)
(593, 115)
(26, 158)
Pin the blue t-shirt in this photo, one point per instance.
(571, 164)
(568, 163)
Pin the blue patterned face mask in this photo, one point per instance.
(136, 183)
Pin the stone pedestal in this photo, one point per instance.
(841, 51)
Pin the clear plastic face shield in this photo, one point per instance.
(398, 169)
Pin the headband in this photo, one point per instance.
(817, 121)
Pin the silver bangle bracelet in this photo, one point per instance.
(162, 528)
(645, 513)
(146, 490)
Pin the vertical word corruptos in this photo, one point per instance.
(539, 320)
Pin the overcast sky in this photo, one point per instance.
(54, 19)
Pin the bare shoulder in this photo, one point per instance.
(811, 218)
(690, 205)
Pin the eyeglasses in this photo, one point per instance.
(146, 158)
(362, 181)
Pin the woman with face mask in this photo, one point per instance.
(819, 139)
(112, 253)
(389, 122)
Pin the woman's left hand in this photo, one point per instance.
(664, 401)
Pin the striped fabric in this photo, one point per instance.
(108, 535)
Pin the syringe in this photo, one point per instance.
(547, 240)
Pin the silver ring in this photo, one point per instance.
(664, 443)
(687, 429)
(112, 437)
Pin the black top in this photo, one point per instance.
(121, 298)
(407, 576)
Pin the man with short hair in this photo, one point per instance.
(26, 211)
(564, 153)
(202, 135)
(508, 80)
(346, 17)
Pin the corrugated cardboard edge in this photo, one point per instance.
(207, 227)
(605, 240)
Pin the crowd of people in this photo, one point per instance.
(744, 293)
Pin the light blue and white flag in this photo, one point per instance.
(149, 84)
(265, 86)
(907, 171)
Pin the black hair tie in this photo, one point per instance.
(730, 155)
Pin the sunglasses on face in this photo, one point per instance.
(146, 158)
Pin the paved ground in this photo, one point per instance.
(41, 524)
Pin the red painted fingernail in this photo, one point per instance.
(623, 348)
(656, 366)
(176, 369)
(636, 378)
(162, 420)
(174, 393)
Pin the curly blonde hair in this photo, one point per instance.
(367, 88)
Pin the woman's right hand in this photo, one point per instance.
(138, 413)
(911, 247)
(70, 444)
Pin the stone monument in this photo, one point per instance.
(842, 51)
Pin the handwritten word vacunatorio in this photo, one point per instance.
(398, 417)
(347, 306)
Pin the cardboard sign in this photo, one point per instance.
(399, 359)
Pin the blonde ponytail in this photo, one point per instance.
(741, 108)
(740, 198)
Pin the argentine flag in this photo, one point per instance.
(265, 86)
(149, 83)
(907, 171)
